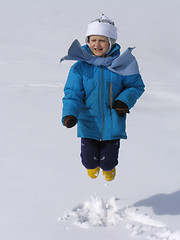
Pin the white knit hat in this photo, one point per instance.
(102, 26)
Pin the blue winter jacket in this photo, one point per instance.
(90, 93)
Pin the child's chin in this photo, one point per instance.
(98, 54)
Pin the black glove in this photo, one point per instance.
(70, 121)
(121, 108)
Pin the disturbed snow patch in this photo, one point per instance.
(96, 212)
(99, 212)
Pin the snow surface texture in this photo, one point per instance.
(41, 176)
(99, 212)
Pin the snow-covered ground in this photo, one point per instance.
(45, 192)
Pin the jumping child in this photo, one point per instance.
(101, 88)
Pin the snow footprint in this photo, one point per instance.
(99, 212)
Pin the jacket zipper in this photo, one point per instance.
(102, 110)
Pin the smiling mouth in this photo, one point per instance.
(98, 49)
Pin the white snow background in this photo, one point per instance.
(45, 192)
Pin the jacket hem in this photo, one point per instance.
(102, 139)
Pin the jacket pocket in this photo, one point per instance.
(118, 125)
(110, 95)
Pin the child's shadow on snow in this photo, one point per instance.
(162, 204)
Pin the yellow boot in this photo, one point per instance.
(93, 173)
(109, 175)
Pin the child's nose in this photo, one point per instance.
(97, 44)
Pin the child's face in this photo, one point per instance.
(99, 45)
